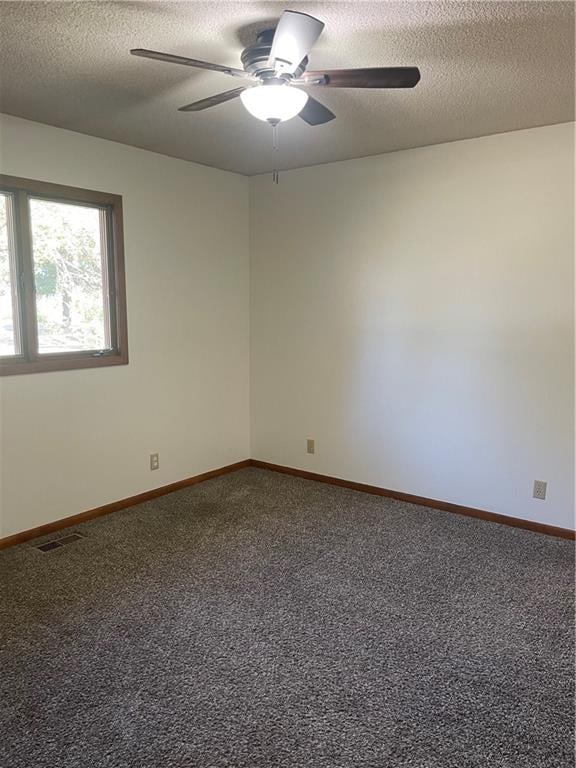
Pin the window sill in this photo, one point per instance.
(56, 362)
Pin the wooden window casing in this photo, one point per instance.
(28, 359)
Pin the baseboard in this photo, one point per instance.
(90, 514)
(445, 506)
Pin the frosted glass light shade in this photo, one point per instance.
(274, 102)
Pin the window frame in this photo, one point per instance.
(30, 360)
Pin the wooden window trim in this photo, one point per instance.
(30, 361)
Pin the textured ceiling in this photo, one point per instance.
(486, 67)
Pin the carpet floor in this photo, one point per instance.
(263, 621)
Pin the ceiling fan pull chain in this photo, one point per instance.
(276, 151)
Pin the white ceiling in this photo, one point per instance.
(487, 67)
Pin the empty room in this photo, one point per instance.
(287, 433)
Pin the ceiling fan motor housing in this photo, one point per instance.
(255, 59)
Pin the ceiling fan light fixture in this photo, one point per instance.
(274, 103)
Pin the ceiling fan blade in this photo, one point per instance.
(211, 101)
(380, 77)
(315, 113)
(172, 59)
(295, 35)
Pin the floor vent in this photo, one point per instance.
(50, 545)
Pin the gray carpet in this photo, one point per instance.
(258, 620)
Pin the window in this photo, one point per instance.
(62, 290)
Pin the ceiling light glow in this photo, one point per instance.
(274, 103)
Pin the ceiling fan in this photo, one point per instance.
(275, 68)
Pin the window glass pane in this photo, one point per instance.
(68, 247)
(9, 332)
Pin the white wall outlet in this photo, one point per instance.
(154, 461)
(310, 446)
(539, 489)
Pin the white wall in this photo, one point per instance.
(413, 313)
(74, 440)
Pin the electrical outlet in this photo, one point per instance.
(310, 447)
(539, 489)
(154, 461)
